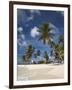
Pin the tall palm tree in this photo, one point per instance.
(52, 45)
(45, 33)
(46, 56)
(23, 58)
(58, 48)
(29, 52)
(38, 52)
(61, 47)
(59, 52)
(61, 39)
(35, 55)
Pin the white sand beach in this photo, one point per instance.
(40, 72)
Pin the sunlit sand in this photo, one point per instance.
(40, 72)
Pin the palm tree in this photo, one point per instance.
(61, 39)
(61, 47)
(23, 58)
(29, 52)
(45, 33)
(52, 45)
(59, 52)
(51, 52)
(38, 52)
(35, 55)
(46, 56)
(57, 49)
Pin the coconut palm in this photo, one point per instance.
(51, 53)
(23, 58)
(45, 33)
(52, 45)
(57, 49)
(61, 39)
(29, 52)
(61, 47)
(59, 52)
(46, 56)
(38, 52)
(35, 55)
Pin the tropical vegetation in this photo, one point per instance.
(46, 36)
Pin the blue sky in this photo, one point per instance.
(28, 22)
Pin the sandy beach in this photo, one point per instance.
(40, 72)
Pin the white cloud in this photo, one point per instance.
(20, 29)
(55, 29)
(24, 43)
(22, 36)
(21, 43)
(30, 18)
(34, 32)
(35, 11)
(53, 26)
(21, 40)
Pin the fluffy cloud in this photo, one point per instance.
(20, 29)
(54, 28)
(21, 40)
(35, 11)
(22, 43)
(34, 32)
(30, 18)
(22, 36)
